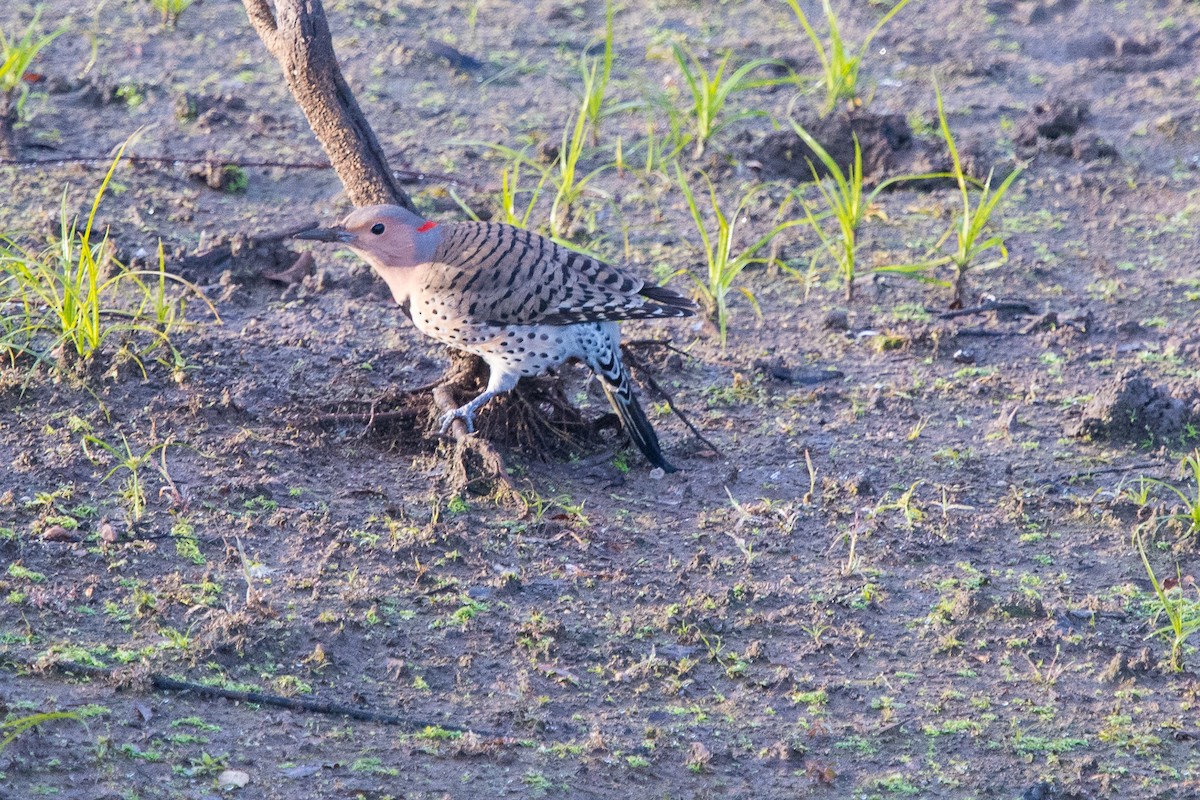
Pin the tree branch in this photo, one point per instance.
(263, 20)
(297, 34)
(166, 683)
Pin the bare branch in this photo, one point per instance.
(297, 34)
(263, 19)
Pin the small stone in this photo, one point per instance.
(783, 751)
(547, 152)
(837, 320)
(966, 605)
(803, 376)
(211, 120)
(1129, 327)
(232, 779)
(1056, 118)
(698, 756)
(1093, 148)
(1022, 606)
(57, 533)
(861, 484)
(301, 268)
(1137, 47)
(1040, 791)
(964, 356)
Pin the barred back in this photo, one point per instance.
(502, 275)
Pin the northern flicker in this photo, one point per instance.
(517, 299)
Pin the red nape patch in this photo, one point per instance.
(428, 226)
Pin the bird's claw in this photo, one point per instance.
(464, 413)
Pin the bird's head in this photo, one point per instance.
(386, 237)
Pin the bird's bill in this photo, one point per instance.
(336, 234)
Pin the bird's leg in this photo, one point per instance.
(466, 412)
(498, 382)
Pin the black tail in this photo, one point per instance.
(619, 389)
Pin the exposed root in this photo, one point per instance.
(373, 417)
(399, 412)
(474, 461)
(536, 418)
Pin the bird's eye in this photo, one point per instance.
(377, 228)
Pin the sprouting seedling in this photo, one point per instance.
(1189, 499)
(10, 729)
(663, 147)
(510, 183)
(134, 489)
(968, 227)
(171, 10)
(709, 93)
(840, 64)
(723, 260)
(595, 79)
(905, 504)
(973, 220)
(1191, 502)
(473, 16)
(853, 562)
(597, 85)
(62, 293)
(16, 55)
(514, 210)
(565, 174)
(847, 202)
(1182, 611)
(847, 205)
(570, 182)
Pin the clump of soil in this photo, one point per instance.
(1054, 126)
(244, 257)
(208, 111)
(1130, 408)
(783, 154)
(1054, 119)
(780, 370)
(222, 177)
(889, 149)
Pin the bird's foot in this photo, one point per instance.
(465, 413)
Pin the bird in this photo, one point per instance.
(519, 300)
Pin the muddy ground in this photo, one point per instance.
(913, 577)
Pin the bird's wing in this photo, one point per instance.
(502, 275)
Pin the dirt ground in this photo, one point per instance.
(912, 576)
